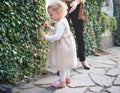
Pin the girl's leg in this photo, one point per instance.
(67, 73)
(65, 76)
(68, 80)
(62, 75)
(61, 83)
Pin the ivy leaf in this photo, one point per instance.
(7, 3)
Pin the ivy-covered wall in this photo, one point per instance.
(96, 25)
(93, 27)
(22, 50)
(116, 34)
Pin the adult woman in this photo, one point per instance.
(78, 25)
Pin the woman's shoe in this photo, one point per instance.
(59, 84)
(68, 80)
(86, 67)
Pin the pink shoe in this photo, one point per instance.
(68, 80)
(59, 84)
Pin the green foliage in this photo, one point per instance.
(108, 22)
(93, 27)
(116, 33)
(90, 38)
(22, 50)
(97, 24)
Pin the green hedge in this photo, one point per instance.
(116, 34)
(98, 23)
(93, 27)
(22, 50)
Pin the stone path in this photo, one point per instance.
(104, 77)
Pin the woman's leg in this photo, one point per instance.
(79, 28)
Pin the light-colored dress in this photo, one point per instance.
(62, 53)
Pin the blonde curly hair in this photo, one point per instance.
(59, 7)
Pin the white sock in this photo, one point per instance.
(62, 75)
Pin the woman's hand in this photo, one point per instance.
(73, 6)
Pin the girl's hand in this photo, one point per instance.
(44, 35)
(47, 24)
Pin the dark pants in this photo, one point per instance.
(78, 26)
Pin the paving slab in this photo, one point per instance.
(113, 72)
(98, 71)
(102, 80)
(27, 86)
(117, 81)
(36, 90)
(46, 80)
(114, 89)
(96, 89)
(81, 80)
(71, 90)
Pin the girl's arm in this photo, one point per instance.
(59, 30)
(52, 28)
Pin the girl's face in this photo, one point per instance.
(54, 15)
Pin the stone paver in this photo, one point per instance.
(113, 72)
(117, 81)
(104, 77)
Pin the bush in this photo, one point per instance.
(22, 50)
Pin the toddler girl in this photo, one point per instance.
(62, 54)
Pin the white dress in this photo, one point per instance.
(62, 53)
